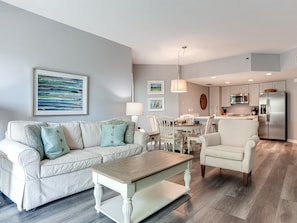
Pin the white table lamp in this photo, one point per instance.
(134, 109)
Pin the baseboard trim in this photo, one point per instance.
(292, 140)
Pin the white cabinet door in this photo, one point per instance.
(225, 96)
(264, 86)
(279, 85)
(214, 100)
(238, 89)
(254, 95)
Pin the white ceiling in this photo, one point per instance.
(157, 29)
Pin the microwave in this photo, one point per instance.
(239, 99)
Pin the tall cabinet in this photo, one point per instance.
(225, 96)
(215, 101)
(254, 95)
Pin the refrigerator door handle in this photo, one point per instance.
(268, 110)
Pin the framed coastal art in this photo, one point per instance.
(57, 93)
(155, 87)
(156, 104)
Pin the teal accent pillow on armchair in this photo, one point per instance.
(54, 141)
(113, 135)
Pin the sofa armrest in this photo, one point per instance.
(249, 153)
(141, 138)
(27, 158)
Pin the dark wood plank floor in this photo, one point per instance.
(271, 197)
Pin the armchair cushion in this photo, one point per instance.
(225, 152)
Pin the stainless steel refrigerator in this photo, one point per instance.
(272, 116)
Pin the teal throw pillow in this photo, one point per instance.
(33, 134)
(54, 141)
(129, 134)
(113, 135)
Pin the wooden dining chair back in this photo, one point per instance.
(153, 123)
(154, 134)
(171, 139)
(194, 138)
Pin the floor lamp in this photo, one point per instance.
(134, 109)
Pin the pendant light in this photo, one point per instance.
(179, 85)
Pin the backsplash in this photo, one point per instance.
(239, 109)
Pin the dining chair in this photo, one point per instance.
(170, 137)
(194, 138)
(154, 134)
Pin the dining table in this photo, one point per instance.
(189, 127)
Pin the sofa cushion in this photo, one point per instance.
(54, 141)
(115, 152)
(91, 133)
(72, 133)
(225, 152)
(33, 133)
(113, 135)
(15, 130)
(129, 134)
(73, 161)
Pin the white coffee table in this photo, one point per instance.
(141, 182)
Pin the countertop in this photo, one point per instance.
(230, 117)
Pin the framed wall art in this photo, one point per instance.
(57, 93)
(156, 104)
(155, 87)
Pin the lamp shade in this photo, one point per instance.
(134, 108)
(178, 86)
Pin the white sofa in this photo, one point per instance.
(30, 182)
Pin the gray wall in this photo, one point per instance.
(175, 104)
(29, 41)
(189, 102)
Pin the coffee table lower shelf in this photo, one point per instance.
(145, 202)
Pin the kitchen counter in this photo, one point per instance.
(229, 117)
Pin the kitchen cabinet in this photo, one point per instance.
(214, 101)
(238, 89)
(225, 96)
(278, 85)
(254, 95)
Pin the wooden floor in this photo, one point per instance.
(271, 197)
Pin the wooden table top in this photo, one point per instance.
(131, 169)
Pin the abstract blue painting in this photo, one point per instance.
(59, 93)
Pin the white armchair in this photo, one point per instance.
(232, 147)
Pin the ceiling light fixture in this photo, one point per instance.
(213, 77)
(268, 74)
(227, 82)
(250, 80)
(179, 85)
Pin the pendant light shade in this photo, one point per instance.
(179, 85)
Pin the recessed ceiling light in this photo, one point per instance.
(227, 82)
(250, 80)
(268, 74)
(213, 77)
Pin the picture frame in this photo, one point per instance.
(155, 87)
(58, 93)
(156, 104)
